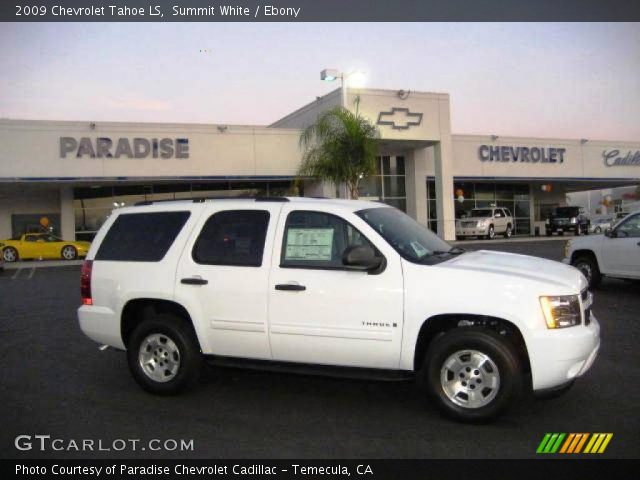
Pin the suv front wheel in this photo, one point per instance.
(473, 374)
(163, 354)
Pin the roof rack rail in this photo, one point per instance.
(204, 199)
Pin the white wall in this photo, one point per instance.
(32, 149)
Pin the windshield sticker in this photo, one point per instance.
(309, 244)
(419, 250)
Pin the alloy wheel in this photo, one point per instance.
(9, 255)
(159, 357)
(470, 378)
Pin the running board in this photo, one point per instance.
(359, 373)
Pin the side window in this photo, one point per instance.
(232, 237)
(499, 214)
(630, 228)
(506, 211)
(318, 240)
(30, 238)
(141, 237)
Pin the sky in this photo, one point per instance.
(559, 80)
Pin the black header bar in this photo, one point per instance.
(319, 11)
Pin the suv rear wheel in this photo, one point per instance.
(163, 354)
(507, 232)
(473, 374)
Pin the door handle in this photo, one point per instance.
(194, 281)
(290, 287)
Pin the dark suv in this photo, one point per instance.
(568, 219)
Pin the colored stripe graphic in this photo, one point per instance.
(574, 443)
(598, 442)
(550, 443)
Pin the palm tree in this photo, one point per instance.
(340, 147)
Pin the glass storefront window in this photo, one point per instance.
(388, 184)
(93, 205)
(522, 209)
(514, 197)
(35, 223)
(393, 165)
(485, 191)
(400, 204)
(394, 187)
(504, 192)
(370, 187)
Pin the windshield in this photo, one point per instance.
(481, 212)
(410, 239)
(566, 211)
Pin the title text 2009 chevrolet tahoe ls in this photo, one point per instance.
(333, 283)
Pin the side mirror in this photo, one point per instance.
(610, 233)
(361, 257)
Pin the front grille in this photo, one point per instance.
(468, 224)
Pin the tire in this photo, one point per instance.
(164, 338)
(507, 232)
(492, 361)
(586, 229)
(549, 233)
(588, 265)
(597, 230)
(561, 233)
(491, 234)
(10, 255)
(578, 231)
(69, 252)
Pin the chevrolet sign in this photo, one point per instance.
(400, 118)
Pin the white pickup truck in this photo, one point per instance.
(331, 286)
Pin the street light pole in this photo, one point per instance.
(330, 75)
(343, 89)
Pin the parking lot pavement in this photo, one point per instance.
(54, 381)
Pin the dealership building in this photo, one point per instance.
(69, 176)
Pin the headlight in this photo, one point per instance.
(562, 311)
(482, 223)
(574, 220)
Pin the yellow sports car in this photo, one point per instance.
(41, 246)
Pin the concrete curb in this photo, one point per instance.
(42, 264)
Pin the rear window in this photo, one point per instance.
(567, 211)
(141, 237)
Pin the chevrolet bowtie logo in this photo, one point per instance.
(399, 118)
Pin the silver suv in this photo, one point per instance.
(485, 222)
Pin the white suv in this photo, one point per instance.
(486, 223)
(331, 286)
(614, 254)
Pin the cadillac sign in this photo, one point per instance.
(613, 158)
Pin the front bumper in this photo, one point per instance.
(560, 356)
(471, 231)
